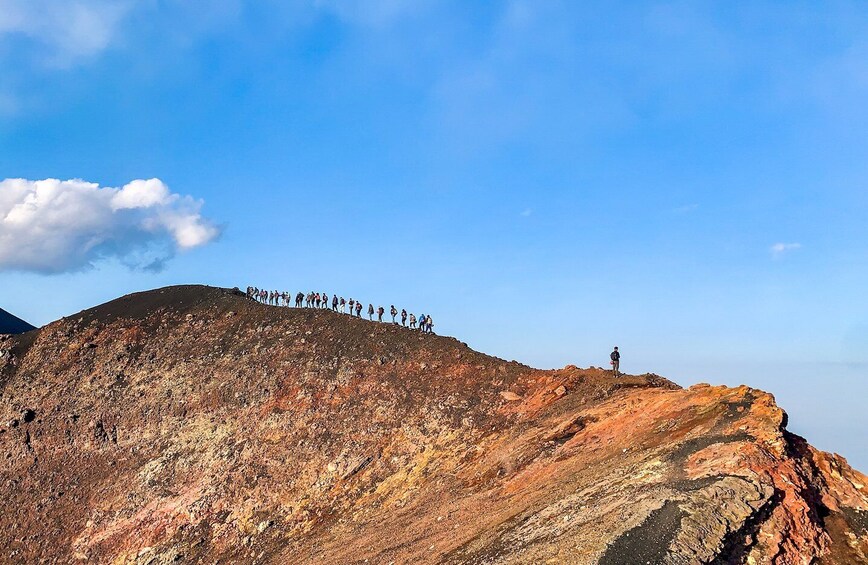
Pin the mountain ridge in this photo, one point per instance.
(190, 424)
(10, 324)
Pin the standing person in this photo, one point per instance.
(394, 312)
(380, 312)
(429, 325)
(422, 321)
(616, 362)
(352, 304)
(412, 321)
(404, 317)
(335, 303)
(371, 312)
(343, 304)
(325, 300)
(358, 309)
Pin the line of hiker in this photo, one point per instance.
(353, 307)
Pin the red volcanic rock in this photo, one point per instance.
(190, 424)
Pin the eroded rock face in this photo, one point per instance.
(192, 425)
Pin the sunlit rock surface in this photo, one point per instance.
(190, 424)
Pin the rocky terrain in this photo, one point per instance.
(10, 324)
(191, 425)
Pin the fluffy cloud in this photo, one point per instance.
(778, 249)
(52, 226)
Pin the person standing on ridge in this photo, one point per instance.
(380, 312)
(394, 312)
(616, 362)
(358, 309)
(371, 312)
(352, 304)
(403, 317)
(422, 321)
(412, 321)
(335, 303)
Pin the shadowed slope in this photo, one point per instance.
(10, 324)
(191, 424)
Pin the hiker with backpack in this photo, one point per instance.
(412, 321)
(422, 321)
(429, 325)
(371, 312)
(615, 356)
(394, 312)
(380, 312)
(335, 303)
(358, 308)
(403, 317)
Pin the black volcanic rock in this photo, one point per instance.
(10, 324)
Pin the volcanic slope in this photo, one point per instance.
(192, 425)
(10, 324)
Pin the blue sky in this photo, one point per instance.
(684, 180)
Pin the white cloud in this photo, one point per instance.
(52, 226)
(686, 209)
(63, 31)
(526, 213)
(141, 194)
(779, 249)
